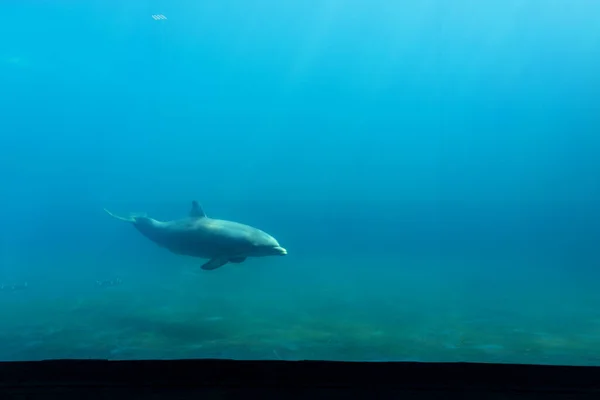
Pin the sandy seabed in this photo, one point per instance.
(360, 310)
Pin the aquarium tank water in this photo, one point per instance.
(374, 180)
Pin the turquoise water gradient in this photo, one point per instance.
(431, 167)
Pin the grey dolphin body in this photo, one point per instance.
(218, 240)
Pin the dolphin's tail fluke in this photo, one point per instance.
(130, 219)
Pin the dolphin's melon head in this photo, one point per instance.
(266, 245)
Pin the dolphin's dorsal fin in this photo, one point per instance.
(197, 211)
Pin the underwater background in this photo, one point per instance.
(432, 168)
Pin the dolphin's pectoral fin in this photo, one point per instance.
(197, 211)
(215, 263)
(237, 260)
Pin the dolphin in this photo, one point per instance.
(220, 241)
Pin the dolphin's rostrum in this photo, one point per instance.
(197, 235)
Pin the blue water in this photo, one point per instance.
(431, 167)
